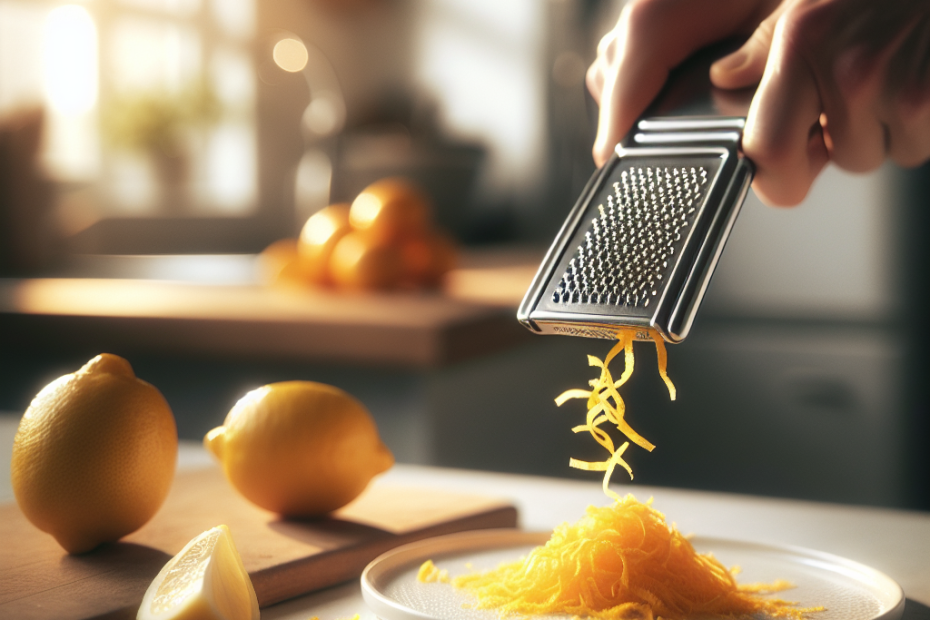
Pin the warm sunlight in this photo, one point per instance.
(70, 60)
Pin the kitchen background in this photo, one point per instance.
(173, 140)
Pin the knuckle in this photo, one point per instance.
(807, 23)
(645, 17)
(607, 43)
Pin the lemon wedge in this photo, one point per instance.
(206, 580)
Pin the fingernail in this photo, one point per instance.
(732, 62)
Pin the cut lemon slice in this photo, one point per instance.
(206, 580)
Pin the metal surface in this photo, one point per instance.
(642, 242)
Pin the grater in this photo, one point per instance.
(641, 243)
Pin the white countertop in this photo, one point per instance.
(892, 541)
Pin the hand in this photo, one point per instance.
(846, 81)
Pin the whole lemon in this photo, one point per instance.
(279, 264)
(94, 455)
(318, 237)
(426, 259)
(358, 262)
(390, 210)
(299, 448)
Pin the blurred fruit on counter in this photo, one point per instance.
(361, 262)
(278, 263)
(384, 239)
(318, 239)
(391, 210)
(94, 455)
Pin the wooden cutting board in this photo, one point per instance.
(285, 558)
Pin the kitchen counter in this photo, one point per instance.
(894, 542)
(218, 305)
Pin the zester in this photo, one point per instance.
(640, 245)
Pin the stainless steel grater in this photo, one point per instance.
(639, 247)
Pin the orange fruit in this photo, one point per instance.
(389, 210)
(319, 236)
(94, 455)
(205, 580)
(358, 262)
(279, 264)
(299, 448)
(428, 258)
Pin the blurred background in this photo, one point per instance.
(151, 150)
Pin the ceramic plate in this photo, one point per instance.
(849, 590)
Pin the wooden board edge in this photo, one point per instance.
(280, 583)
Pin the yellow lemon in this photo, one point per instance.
(358, 262)
(299, 448)
(278, 263)
(94, 455)
(389, 210)
(205, 581)
(426, 259)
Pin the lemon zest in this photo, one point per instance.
(605, 404)
(430, 573)
(621, 561)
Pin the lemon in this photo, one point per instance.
(389, 210)
(318, 237)
(299, 448)
(426, 259)
(205, 581)
(94, 455)
(359, 262)
(279, 264)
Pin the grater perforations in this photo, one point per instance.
(630, 242)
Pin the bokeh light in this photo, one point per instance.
(290, 54)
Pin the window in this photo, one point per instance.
(150, 112)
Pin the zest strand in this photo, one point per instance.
(606, 405)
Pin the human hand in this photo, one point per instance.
(846, 81)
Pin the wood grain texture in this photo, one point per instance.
(285, 558)
(413, 329)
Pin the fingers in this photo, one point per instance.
(650, 38)
(906, 112)
(909, 130)
(594, 78)
(783, 135)
(855, 134)
(745, 66)
(846, 81)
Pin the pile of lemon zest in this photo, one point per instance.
(621, 562)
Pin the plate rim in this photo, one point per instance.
(476, 540)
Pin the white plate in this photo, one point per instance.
(849, 590)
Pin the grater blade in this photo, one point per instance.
(639, 247)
